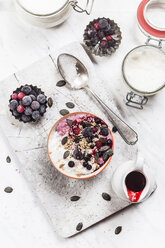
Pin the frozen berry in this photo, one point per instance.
(103, 23)
(96, 26)
(20, 109)
(77, 154)
(28, 111)
(83, 124)
(14, 96)
(26, 100)
(13, 104)
(94, 40)
(100, 35)
(104, 131)
(71, 164)
(108, 37)
(42, 109)
(26, 89)
(88, 43)
(89, 167)
(107, 28)
(41, 98)
(95, 129)
(111, 42)
(21, 95)
(97, 120)
(87, 132)
(33, 97)
(85, 164)
(76, 130)
(35, 105)
(91, 32)
(25, 118)
(15, 113)
(103, 44)
(34, 93)
(36, 116)
(98, 144)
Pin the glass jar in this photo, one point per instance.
(49, 13)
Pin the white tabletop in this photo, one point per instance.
(23, 223)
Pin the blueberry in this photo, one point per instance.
(89, 167)
(100, 35)
(94, 40)
(26, 100)
(103, 44)
(77, 139)
(42, 109)
(103, 23)
(35, 105)
(85, 164)
(36, 115)
(33, 97)
(111, 42)
(25, 118)
(88, 43)
(26, 89)
(83, 124)
(28, 111)
(109, 142)
(41, 98)
(77, 154)
(34, 93)
(86, 159)
(87, 132)
(92, 146)
(114, 129)
(97, 120)
(89, 139)
(104, 131)
(91, 32)
(15, 113)
(13, 104)
(107, 28)
(71, 164)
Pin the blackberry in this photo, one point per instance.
(87, 132)
(104, 131)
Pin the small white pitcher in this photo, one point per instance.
(120, 174)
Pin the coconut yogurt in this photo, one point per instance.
(80, 144)
(144, 69)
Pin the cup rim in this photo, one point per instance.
(93, 173)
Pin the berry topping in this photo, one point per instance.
(83, 124)
(103, 44)
(20, 109)
(96, 26)
(41, 98)
(109, 142)
(26, 89)
(14, 96)
(95, 129)
(35, 105)
(91, 32)
(26, 100)
(76, 130)
(42, 109)
(111, 42)
(21, 95)
(87, 132)
(33, 97)
(71, 164)
(97, 120)
(98, 144)
(85, 164)
(104, 131)
(108, 37)
(77, 154)
(36, 115)
(28, 111)
(25, 118)
(100, 35)
(13, 104)
(103, 23)
(15, 113)
(89, 167)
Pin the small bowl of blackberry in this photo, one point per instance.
(28, 103)
(102, 36)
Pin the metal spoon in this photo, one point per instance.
(76, 74)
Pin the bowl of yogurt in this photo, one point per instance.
(80, 145)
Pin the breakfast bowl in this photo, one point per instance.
(80, 145)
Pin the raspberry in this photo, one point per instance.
(98, 144)
(94, 129)
(76, 130)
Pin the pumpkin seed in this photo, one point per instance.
(104, 148)
(8, 189)
(50, 102)
(79, 226)
(64, 112)
(118, 229)
(61, 165)
(60, 83)
(70, 105)
(96, 156)
(114, 129)
(103, 141)
(66, 154)
(106, 196)
(107, 154)
(64, 140)
(69, 122)
(8, 159)
(75, 198)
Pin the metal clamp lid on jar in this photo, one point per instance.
(136, 98)
(49, 16)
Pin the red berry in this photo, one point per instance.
(108, 37)
(96, 26)
(98, 144)
(93, 152)
(14, 96)
(21, 95)
(20, 109)
(76, 130)
(94, 129)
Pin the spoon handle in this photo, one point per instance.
(126, 132)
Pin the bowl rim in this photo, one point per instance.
(93, 173)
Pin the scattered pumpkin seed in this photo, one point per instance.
(64, 112)
(96, 156)
(66, 154)
(75, 198)
(114, 129)
(64, 140)
(8, 189)
(103, 141)
(106, 196)
(79, 226)
(70, 105)
(50, 102)
(61, 165)
(60, 83)
(69, 122)
(118, 229)
(8, 159)
(104, 148)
